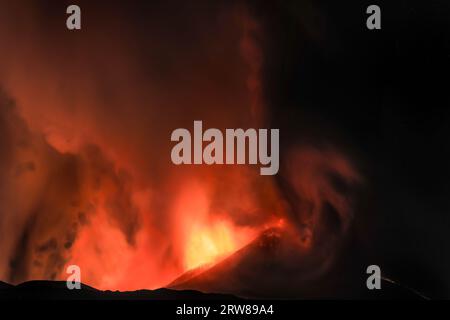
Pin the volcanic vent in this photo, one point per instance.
(293, 257)
(85, 172)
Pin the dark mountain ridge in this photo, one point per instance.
(57, 290)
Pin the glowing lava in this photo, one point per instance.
(205, 237)
(208, 244)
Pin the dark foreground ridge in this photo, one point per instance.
(57, 290)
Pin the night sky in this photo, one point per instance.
(382, 95)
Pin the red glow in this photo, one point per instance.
(96, 127)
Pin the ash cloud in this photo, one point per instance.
(94, 107)
(86, 171)
(47, 196)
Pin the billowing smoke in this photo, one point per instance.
(85, 123)
(48, 196)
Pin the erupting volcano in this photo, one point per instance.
(86, 175)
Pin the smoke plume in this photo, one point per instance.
(85, 122)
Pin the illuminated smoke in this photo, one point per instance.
(85, 123)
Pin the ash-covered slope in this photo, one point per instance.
(272, 267)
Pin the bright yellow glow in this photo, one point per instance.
(208, 243)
